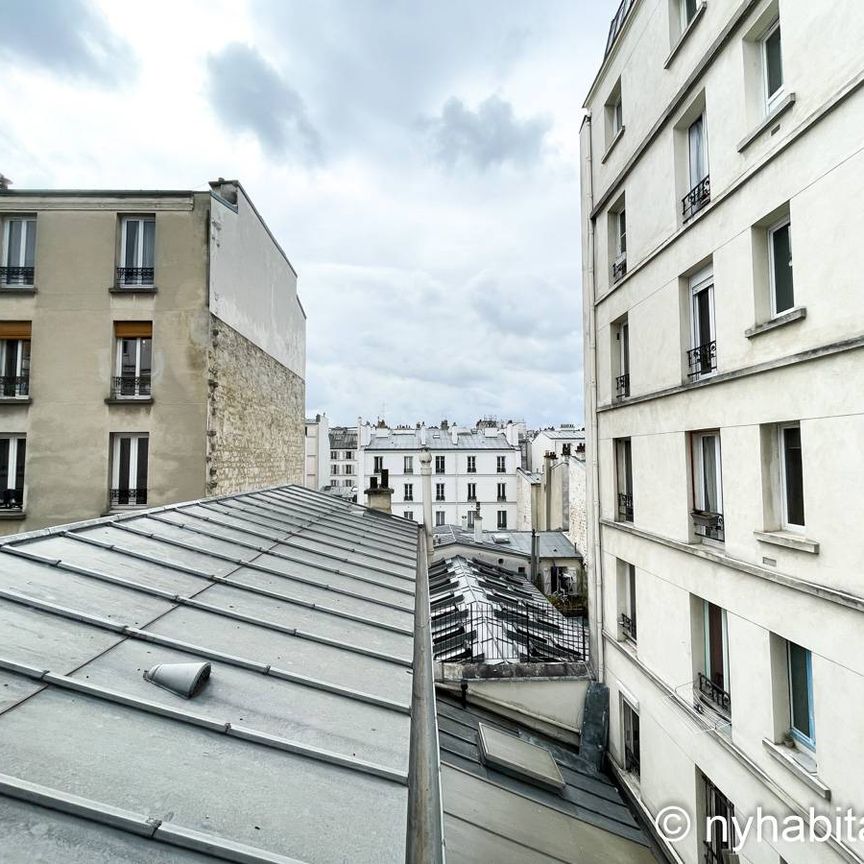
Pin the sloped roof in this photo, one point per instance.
(297, 748)
(439, 439)
(550, 544)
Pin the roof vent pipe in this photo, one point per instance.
(184, 679)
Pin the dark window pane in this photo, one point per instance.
(689, 10)
(30, 243)
(143, 457)
(13, 255)
(715, 645)
(799, 686)
(4, 463)
(703, 317)
(773, 62)
(10, 357)
(149, 240)
(794, 476)
(19, 469)
(123, 479)
(132, 243)
(782, 249)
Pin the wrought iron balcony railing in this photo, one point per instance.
(127, 497)
(132, 276)
(625, 506)
(696, 198)
(712, 855)
(631, 760)
(16, 275)
(702, 360)
(13, 499)
(502, 497)
(628, 626)
(708, 524)
(619, 267)
(131, 387)
(714, 693)
(14, 386)
(622, 385)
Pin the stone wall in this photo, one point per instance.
(255, 423)
(577, 528)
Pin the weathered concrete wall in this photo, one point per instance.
(255, 416)
(577, 527)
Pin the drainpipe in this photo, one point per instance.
(426, 489)
(534, 556)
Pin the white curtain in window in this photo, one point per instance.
(698, 154)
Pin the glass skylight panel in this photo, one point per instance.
(518, 758)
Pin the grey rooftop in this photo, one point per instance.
(438, 439)
(550, 544)
(295, 750)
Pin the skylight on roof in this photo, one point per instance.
(511, 755)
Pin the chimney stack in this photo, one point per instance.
(378, 497)
(550, 459)
(478, 525)
(4, 183)
(426, 488)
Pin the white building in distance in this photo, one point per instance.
(563, 440)
(725, 414)
(317, 452)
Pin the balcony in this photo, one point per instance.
(502, 497)
(128, 497)
(625, 506)
(708, 524)
(439, 497)
(628, 627)
(619, 267)
(622, 386)
(702, 360)
(16, 275)
(130, 278)
(14, 386)
(13, 499)
(714, 694)
(697, 198)
(131, 387)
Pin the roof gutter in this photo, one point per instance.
(424, 842)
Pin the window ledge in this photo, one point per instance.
(612, 144)
(697, 17)
(789, 540)
(12, 515)
(799, 764)
(781, 108)
(15, 400)
(133, 289)
(129, 401)
(796, 314)
(18, 289)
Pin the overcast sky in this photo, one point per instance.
(418, 162)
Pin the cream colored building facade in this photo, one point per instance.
(153, 351)
(725, 413)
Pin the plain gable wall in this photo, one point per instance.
(253, 288)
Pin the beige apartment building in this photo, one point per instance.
(152, 350)
(722, 181)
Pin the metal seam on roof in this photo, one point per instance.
(183, 715)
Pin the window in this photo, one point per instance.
(697, 168)
(408, 465)
(502, 491)
(408, 514)
(720, 833)
(334, 454)
(702, 356)
(630, 730)
(627, 599)
(19, 250)
(440, 464)
(688, 8)
(132, 360)
(439, 491)
(472, 491)
(800, 667)
(619, 243)
(502, 464)
(714, 682)
(439, 517)
(614, 115)
(129, 463)
(409, 492)
(349, 469)
(334, 468)
(622, 355)
(707, 510)
(780, 267)
(137, 243)
(14, 359)
(792, 477)
(624, 479)
(349, 454)
(772, 65)
(471, 515)
(13, 452)
(378, 464)
(502, 519)
(472, 464)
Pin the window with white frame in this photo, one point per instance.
(624, 479)
(780, 267)
(502, 491)
(772, 67)
(614, 114)
(133, 359)
(439, 517)
(334, 454)
(702, 356)
(472, 491)
(349, 454)
(502, 519)
(627, 599)
(408, 492)
(14, 359)
(19, 250)
(349, 469)
(791, 477)
(687, 10)
(501, 465)
(471, 515)
(707, 478)
(699, 183)
(440, 464)
(439, 491)
(408, 465)
(618, 219)
(137, 250)
(621, 347)
(408, 514)
(714, 682)
(13, 452)
(335, 468)
(472, 464)
(378, 464)
(129, 467)
(802, 726)
(630, 735)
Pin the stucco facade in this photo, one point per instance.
(724, 416)
(75, 310)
